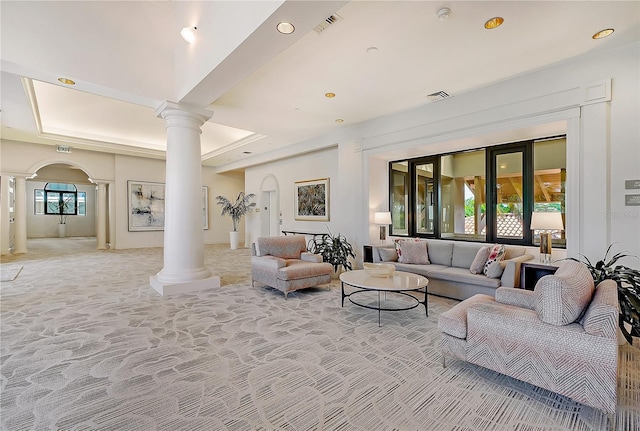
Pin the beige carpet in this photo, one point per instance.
(86, 344)
(9, 272)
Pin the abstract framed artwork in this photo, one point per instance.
(146, 206)
(312, 200)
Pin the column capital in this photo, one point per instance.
(171, 110)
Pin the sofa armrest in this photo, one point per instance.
(511, 274)
(601, 317)
(516, 297)
(310, 257)
(267, 263)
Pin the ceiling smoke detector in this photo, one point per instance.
(443, 13)
(438, 95)
(328, 22)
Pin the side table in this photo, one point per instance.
(530, 273)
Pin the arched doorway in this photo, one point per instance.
(270, 206)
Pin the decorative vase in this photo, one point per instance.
(62, 230)
(234, 239)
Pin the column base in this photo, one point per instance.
(165, 289)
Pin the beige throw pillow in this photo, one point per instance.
(414, 252)
(388, 254)
(478, 262)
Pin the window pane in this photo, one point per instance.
(463, 197)
(68, 203)
(399, 198)
(550, 172)
(424, 198)
(509, 195)
(53, 198)
(82, 203)
(38, 201)
(62, 187)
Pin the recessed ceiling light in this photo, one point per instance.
(330, 95)
(296, 109)
(603, 33)
(494, 23)
(372, 50)
(443, 13)
(285, 27)
(246, 152)
(189, 34)
(67, 81)
(339, 120)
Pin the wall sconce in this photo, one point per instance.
(546, 221)
(384, 220)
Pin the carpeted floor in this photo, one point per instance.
(86, 344)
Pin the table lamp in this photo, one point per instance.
(546, 221)
(383, 219)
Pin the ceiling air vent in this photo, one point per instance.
(438, 95)
(328, 22)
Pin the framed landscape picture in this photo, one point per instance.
(312, 200)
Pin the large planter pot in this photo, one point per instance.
(234, 239)
(62, 230)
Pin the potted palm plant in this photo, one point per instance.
(334, 249)
(61, 208)
(628, 281)
(236, 209)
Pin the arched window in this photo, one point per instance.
(61, 199)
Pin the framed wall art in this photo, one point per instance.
(146, 206)
(312, 200)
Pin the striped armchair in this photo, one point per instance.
(283, 262)
(562, 336)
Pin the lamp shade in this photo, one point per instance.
(546, 221)
(383, 218)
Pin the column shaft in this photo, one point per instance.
(101, 209)
(21, 215)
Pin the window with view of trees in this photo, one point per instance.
(486, 194)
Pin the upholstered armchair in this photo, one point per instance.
(562, 336)
(283, 262)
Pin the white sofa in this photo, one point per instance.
(449, 274)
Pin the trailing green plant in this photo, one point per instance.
(334, 249)
(238, 208)
(628, 281)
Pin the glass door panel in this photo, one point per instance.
(399, 198)
(425, 199)
(509, 201)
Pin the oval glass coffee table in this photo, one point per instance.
(400, 283)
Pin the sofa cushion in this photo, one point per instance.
(479, 260)
(454, 320)
(511, 252)
(463, 254)
(298, 269)
(440, 252)
(495, 269)
(414, 252)
(388, 254)
(286, 247)
(463, 276)
(563, 297)
(496, 254)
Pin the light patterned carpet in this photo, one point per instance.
(86, 344)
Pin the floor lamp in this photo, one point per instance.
(384, 220)
(546, 221)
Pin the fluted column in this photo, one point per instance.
(21, 214)
(184, 268)
(101, 228)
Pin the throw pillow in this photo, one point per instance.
(388, 254)
(397, 242)
(495, 269)
(478, 262)
(563, 297)
(496, 254)
(414, 252)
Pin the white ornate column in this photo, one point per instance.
(184, 269)
(21, 214)
(101, 210)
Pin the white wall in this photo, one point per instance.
(603, 131)
(26, 158)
